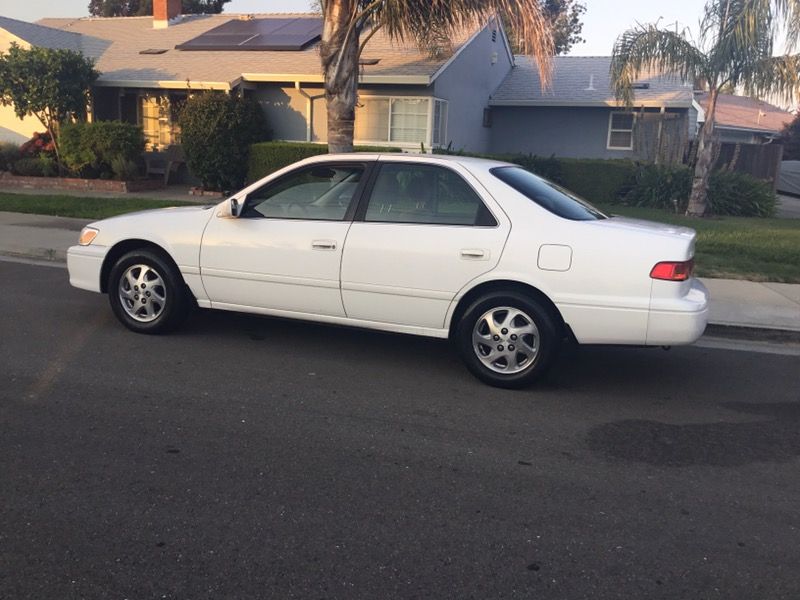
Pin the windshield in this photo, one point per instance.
(548, 195)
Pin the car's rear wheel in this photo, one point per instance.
(507, 339)
(147, 293)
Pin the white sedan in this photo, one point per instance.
(502, 262)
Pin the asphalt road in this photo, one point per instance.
(247, 457)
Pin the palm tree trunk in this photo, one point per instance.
(698, 200)
(339, 53)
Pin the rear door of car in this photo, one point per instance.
(422, 232)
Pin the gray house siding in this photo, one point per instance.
(582, 132)
(569, 132)
(466, 84)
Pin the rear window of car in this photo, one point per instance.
(548, 195)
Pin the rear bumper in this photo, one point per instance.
(681, 320)
(85, 264)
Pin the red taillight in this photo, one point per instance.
(673, 271)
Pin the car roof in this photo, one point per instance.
(415, 156)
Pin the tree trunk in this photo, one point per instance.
(339, 53)
(698, 200)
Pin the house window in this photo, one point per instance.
(404, 121)
(439, 133)
(159, 120)
(620, 130)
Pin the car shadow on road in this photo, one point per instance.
(774, 439)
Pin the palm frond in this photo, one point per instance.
(776, 75)
(650, 48)
(419, 19)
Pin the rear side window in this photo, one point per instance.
(548, 195)
(425, 195)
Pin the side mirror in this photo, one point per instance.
(229, 209)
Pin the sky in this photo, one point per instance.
(602, 22)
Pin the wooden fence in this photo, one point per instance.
(762, 161)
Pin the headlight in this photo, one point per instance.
(87, 236)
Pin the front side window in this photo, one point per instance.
(425, 194)
(320, 193)
(620, 131)
(547, 194)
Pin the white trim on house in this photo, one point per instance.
(701, 113)
(317, 78)
(167, 85)
(619, 130)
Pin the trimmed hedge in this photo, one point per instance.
(9, 153)
(268, 157)
(596, 179)
(101, 150)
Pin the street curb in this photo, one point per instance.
(739, 332)
(33, 259)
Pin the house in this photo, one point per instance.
(578, 115)
(472, 94)
(744, 120)
(406, 96)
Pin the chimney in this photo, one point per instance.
(165, 12)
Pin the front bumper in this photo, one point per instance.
(677, 320)
(85, 263)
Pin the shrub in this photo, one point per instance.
(9, 153)
(91, 149)
(740, 195)
(268, 157)
(28, 167)
(217, 131)
(729, 193)
(659, 186)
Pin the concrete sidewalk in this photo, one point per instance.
(735, 304)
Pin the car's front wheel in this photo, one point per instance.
(507, 339)
(147, 293)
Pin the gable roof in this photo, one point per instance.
(583, 81)
(43, 37)
(744, 113)
(117, 43)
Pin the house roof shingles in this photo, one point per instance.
(583, 81)
(43, 37)
(742, 112)
(116, 43)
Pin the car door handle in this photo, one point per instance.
(474, 254)
(323, 245)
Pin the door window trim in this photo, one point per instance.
(355, 201)
(366, 195)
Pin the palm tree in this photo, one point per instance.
(349, 24)
(734, 49)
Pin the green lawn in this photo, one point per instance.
(736, 247)
(75, 206)
(732, 247)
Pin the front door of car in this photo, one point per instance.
(422, 235)
(284, 252)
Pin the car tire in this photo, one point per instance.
(508, 339)
(147, 293)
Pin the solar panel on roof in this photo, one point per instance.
(290, 34)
